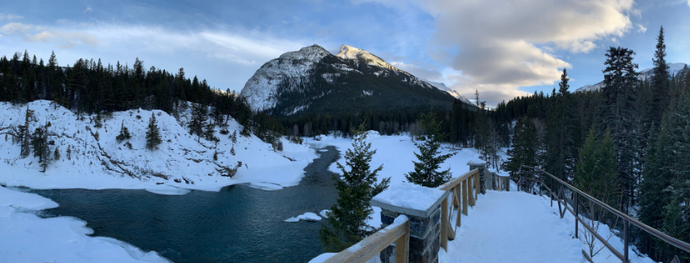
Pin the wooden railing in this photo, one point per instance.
(398, 232)
(463, 191)
(560, 196)
(497, 182)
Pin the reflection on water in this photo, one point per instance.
(236, 224)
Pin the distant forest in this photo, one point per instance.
(648, 122)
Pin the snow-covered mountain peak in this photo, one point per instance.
(311, 53)
(363, 57)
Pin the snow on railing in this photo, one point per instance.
(398, 233)
(462, 190)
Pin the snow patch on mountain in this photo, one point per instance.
(442, 86)
(673, 69)
(261, 90)
(364, 57)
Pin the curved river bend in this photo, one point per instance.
(236, 224)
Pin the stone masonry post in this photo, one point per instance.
(422, 206)
(482, 173)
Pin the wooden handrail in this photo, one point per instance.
(398, 232)
(466, 187)
(457, 180)
(626, 218)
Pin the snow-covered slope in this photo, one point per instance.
(363, 57)
(674, 69)
(313, 80)
(98, 161)
(261, 90)
(442, 86)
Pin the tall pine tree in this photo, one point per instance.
(561, 149)
(153, 136)
(430, 158)
(346, 223)
(617, 115)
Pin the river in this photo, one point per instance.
(236, 224)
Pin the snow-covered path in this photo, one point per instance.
(519, 227)
(513, 227)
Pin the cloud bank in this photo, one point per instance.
(499, 46)
(228, 57)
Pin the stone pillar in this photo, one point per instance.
(482, 173)
(422, 206)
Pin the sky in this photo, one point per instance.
(500, 48)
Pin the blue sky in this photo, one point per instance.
(503, 48)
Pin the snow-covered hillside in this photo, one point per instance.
(261, 90)
(98, 161)
(674, 69)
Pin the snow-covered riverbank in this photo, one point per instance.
(99, 161)
(25, 237)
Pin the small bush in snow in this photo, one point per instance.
(124, 133)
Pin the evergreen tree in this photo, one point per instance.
(24, 137)
(666, 179)
(39, 143)
(523, 150)
(596, 168)
(346, 223)
(617, 115)
(430, 158)
(660, 84)
(153, 137)
(196, 124)
(209, 132)
(560, 144)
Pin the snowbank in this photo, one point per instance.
(308, 216)
(98, 161)
(29, 238)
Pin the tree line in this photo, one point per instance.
(626, 144)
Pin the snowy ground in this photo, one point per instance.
(501, 227)
(519, 227)
(24, 237)
(180, 163)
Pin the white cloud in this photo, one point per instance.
(502, 49)
(688, 3)
(10, 17)
(243, 47)
(32, 33)
(88, 9)
(641, 28)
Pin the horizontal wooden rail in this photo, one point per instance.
(398, 232)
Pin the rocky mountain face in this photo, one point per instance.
(312, 80)
(674, 69)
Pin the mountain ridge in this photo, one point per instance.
(312, 80)
(674, 69)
